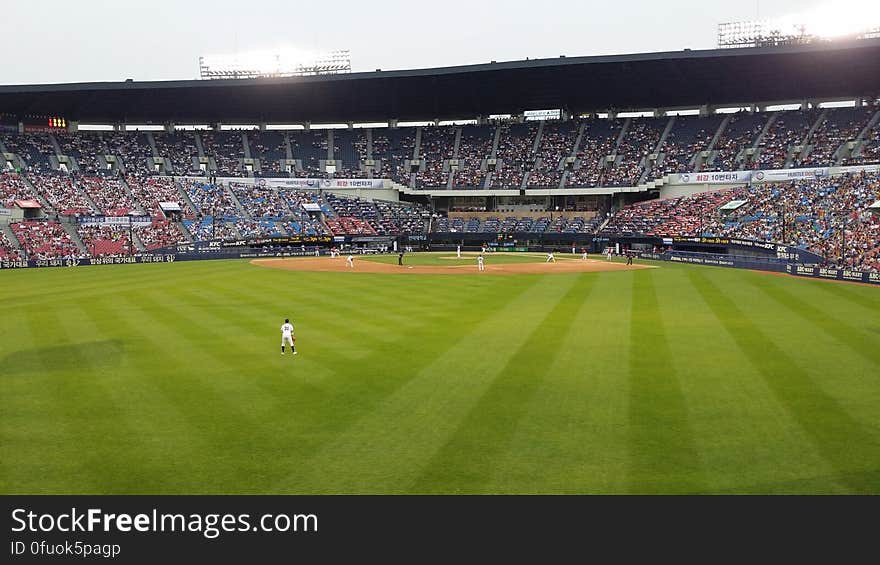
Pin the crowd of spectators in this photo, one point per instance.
(437, 146)
(85, 148)
(350, 147)
(870, 152)
(62, 194)
(34, 148)
(151, 190)
(557, 143)
(44, 240)
(258, 228)
(13, 187)
(270, 148)
(810, 214)
(105, 241)
(180, 147)
(515, 154)
(740, 133)
(788, 130)
(688, 136)
(549, 223)
(392, 147)
(344, 225)
(7, 251)
(310, 147)
(261, 202)
(212, 200)
(206, 228)
(109, 195)
(639, 141)
(474, 147)
(840, 125)
(597, 143)
(134, 150)
(160, 233)
(227, 148)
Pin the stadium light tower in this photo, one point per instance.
(859, 19)
(282, 63)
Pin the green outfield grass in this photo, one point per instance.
(167, 378)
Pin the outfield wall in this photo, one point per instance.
(740, 262)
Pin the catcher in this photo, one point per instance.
(287, 336)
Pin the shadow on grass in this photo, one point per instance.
(100, 354)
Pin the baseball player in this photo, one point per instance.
(551, 258)
(480, 263)
(350, 260)
(458, 252)
(584, 253)
(287, 336)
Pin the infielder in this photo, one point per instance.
(480, 263)
(350, 261)
(551, 258)
(584, 254)
(287, 336)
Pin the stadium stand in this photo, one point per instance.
(741, 132)
(270, 147)
(310, 147)
(514, 151)
(13, 187)
(436, 148)
(104, 241)
(109, 195)
(161, 233)
(806, 214)
(150, 191)
(63, 195)
(227, 148)
(44, 240)
(557, 143)
(474, 147)
(34, 148)
(7, 251)
(181, 149)
(134, 150)
(599, 139)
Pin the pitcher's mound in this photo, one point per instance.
(339, 265)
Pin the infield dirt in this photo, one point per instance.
(338, 264)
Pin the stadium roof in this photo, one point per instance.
(576, 84)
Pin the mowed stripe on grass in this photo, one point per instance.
(168, 378)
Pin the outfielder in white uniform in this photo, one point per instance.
(287, 336)
(350, 261)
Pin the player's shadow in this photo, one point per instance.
(93, 354)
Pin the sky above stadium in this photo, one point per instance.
(51, 41)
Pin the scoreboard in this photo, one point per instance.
(44, 123)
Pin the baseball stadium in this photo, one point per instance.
(649, 273)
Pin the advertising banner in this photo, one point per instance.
(717, 177)
(136, 221)
(783, 175)
(784, 252)
(328, 184)
(834, 274)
